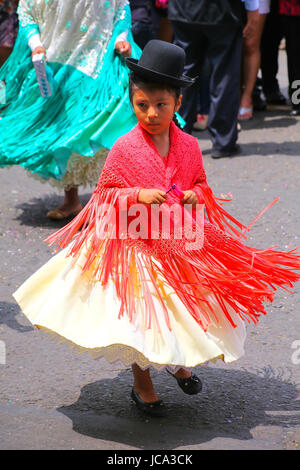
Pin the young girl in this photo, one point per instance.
(153, 300)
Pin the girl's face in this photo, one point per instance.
(154, 108)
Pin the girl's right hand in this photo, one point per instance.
(151, 196)
(40, 50)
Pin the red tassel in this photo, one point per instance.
(216, 214)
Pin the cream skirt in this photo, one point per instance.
(66, 302)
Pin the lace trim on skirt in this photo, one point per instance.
(123, 353)
(81, 171)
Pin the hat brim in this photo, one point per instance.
(159, 77)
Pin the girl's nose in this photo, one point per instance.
(152, 112)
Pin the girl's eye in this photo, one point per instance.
(160, 105)
(142, 105)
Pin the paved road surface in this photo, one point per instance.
(51, 398)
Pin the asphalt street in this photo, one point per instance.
(53, 398)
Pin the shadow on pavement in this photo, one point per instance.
(34, 211)
(232, 403)
(277, 118)
(8, 313)
(264, 148)
(270, 148)
(274, 117)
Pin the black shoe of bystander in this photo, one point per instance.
(275, 97)
(221, 153)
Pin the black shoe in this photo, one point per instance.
(191, 385)
(226, 153)
(275, 97)
(156, 408)
(259, 104)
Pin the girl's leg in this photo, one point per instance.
(143, 384)
(72, 202)
(70, 207)
(251, 64)
(182, 374)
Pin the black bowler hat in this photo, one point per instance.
(161, 62)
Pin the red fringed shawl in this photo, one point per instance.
(238, 277)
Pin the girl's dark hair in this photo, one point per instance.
(135, 79)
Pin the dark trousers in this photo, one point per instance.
(271, 37)
(222, 46)
(204, 99)
(291, 29)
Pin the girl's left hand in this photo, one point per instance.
(189, 197)
(123, 48)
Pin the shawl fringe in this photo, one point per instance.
(224, 272)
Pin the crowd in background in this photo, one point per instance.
(228, 52)
(228, 45)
